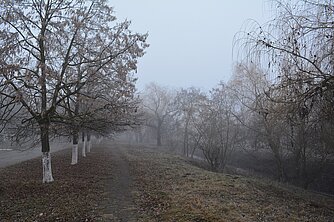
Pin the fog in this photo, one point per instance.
(190, 41)
(243, 90)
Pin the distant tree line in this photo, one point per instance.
(278, 105)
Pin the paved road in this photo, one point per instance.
(10, 157)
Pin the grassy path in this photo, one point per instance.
(119, 205)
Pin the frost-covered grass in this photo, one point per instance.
(168, 188)
(75, 195)
(164, 187)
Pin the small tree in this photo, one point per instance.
(158, 103)
(188, 102)
(217, 129)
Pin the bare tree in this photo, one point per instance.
(43, 43)
(217, 128)
(106, 103)
(261, 116)
(295, 52)
(297, 44)
(158, 103)
(188, 101)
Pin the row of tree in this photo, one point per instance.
(66, 67)
(278, 104)
(191, 120)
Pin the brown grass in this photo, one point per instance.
(171, 189)
(166, 188)
(75, 195)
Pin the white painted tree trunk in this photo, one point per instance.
(47, 171)
(84, 148)
(74, 154)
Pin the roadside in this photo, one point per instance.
(10, 156)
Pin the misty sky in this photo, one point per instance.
(190, 40)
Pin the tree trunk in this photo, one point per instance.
(185, 140)
(278, 159)
(159, 134)
(83, 145)
(158, 137)
(280, 170)
(192, 153)
(75, 149)
(46, 157)
(47, 171)
(89, 142)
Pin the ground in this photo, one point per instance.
(118, 182)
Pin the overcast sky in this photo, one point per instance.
(190, 40)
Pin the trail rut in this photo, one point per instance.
(119, 204)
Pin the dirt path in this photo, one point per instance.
(119, 205)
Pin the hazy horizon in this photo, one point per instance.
(190, 41)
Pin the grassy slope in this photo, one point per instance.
(166, 188)
(75, 195)
(170, 189)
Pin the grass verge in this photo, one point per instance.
(169, 188)
(75, 195)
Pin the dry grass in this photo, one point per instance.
(165, 187)
(171, 189)
(75, 195)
